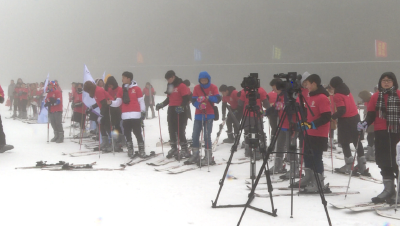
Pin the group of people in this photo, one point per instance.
(320, 111)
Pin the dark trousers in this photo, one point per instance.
(2, 135)
(34, 108)
(23, 104)
(11, 101)
(273, 122)
(135, 126)
(347, 151)
(173, 123)
(116, 119)
(16, 104)
(79, 118)
(56, 121)
(231, 124)
(147, 110)
(314, 147)
(371, 139)
(385, 153)
(105, 126)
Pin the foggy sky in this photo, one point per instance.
(234, 37)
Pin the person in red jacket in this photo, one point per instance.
(251, 120)
(130, 100)
(178, 97)
(113, 89)
(316, 134)
(149, 93)
(54, 102)
(229, 96)
(34, 100)
(348, 118)
(23, 100)
(101, 96)
(79, 108)
(384, 112)
(3, 145)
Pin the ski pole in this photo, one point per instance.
(48, 126)
(82, 128)
(397, 193)
(66, 112)
(177, 143)
(202, 138)
(331, 153)
(352, 167)
(99, 137)
(159, 125)
(301, 161)
(207, 147)
(111, 130)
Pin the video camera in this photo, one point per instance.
(292, 85)
(251, 84)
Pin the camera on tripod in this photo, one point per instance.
(292, 85)
(251, 84)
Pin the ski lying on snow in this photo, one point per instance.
(92, 153)
(68, 168)
(190, 168)
(152, 155)
(59, 164)
(167, 168)
(388, 212)
(359, 206)
(238, 160)
(161, 162)
(287, 188)
(306, 193)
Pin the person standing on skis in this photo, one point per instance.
(130, 100)
(178, 97)
(317, 129)
(205, 95)
(3, 146)
(55, 103)
(384, 111)
(229, 96)
(347, 119)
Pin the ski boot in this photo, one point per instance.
(388, 191)
(347, 167)
(304, 180)
(5, 147)
(184, 152)
(174, 150)
(208, 159)
(142, 152)
(360, 168)
(129, 145)
(370, 155)
(60, 137)
(55, 138)
(392, 200)
(312, 186)
(278, 167)
(194, 158)
(230, 139)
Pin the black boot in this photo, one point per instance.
(184, 152)
(60, 137)
(208, 158)
(230, 139)
(174, 150)
(142, 152)
(55, 138)
(129, 145)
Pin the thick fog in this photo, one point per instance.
(228, 38)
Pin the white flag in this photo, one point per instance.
(104, 76)
(87, 100)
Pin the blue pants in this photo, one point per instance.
(207, 125)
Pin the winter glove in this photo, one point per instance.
(73, 105)
(179, 109)
(398, 154)
(201, 99)
(1, 99)
(142, 115)
(269, 111)
(202, 106)
(362, 126)
(306, 125)
(89, 109)
(159, 106)
(47, 104)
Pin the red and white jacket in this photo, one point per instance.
(136, 104)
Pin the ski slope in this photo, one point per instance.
(139, 195)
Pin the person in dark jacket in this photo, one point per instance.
(11, 88)
(149, 93)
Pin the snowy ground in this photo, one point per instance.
(141, 196)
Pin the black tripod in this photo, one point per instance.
(256, 140)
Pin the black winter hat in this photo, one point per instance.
(336, 81)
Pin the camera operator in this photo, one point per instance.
(229, 96)
(252, 120)
(317, 127)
